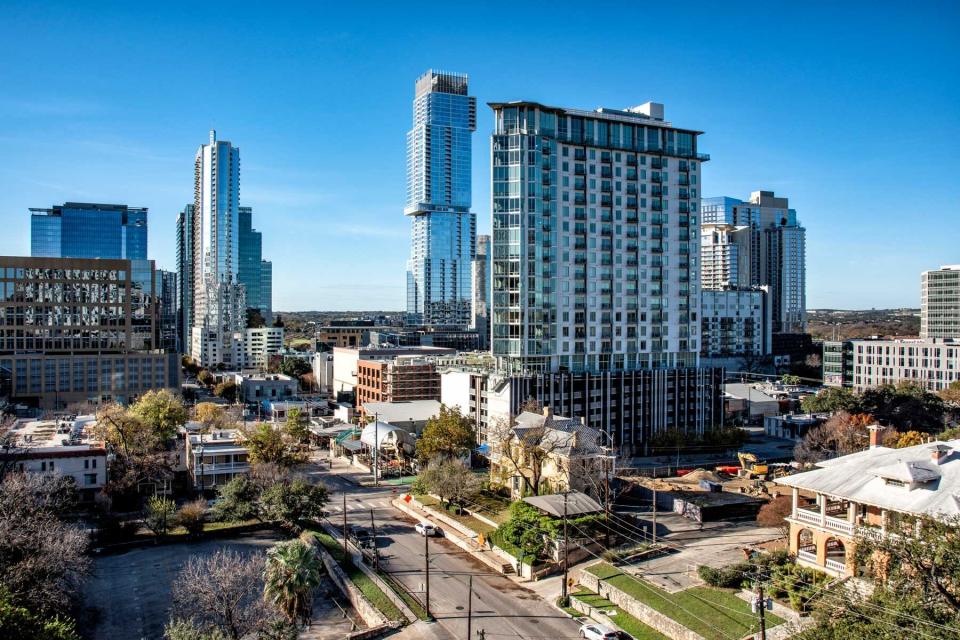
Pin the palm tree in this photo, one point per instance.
(291, 574)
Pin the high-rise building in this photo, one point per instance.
(96, 344)
(219, 304)
(168, 300)
(594, 246)
(88, 230)
(595, 287)
(940, 302)
(185, 277)
(735, 323)
(252, 264)
(777, 252)
(725, 256)
(443, 228)
(480, 283)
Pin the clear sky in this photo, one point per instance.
(850, 109)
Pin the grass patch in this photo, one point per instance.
(570, 611)
(716, 614)
(493, 506)
(363, 582)
(624, 620)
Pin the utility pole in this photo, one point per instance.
(654, 514)
(376, 554)
(426, 570)
(376, 449)
(761, 604)
(345, 526)
(469, 605)
(563, 590)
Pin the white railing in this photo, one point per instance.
(807, 516)
(835, 565)
(807, 556)
(838, 525)
(223, 467)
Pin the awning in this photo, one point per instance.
(352, 445)
(380, 431)
(577, 504)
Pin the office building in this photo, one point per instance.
(399, 379)
(185, 277)
(265, 386)
(88, 230)
(940, 302)
(596, 291)
(443, 229)
(255, 273)
(480, 284)
(79, 330)
(168, 301)
(777, 253)
(837, 362)
(735, 323)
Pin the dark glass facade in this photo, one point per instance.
(87, 230)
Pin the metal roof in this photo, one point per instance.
(577, 504)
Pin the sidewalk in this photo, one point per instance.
(342, 468)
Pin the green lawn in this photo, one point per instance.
(363, 582)
(624, 620)
(716, 614)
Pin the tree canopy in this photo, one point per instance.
(162, 411)
(449, 434)
(830, 399)
(267, 445)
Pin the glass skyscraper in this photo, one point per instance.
(252, 264)
(87, 230)
(443, 229)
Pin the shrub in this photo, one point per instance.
(191, 516)
(730, 577)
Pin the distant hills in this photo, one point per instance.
(845, 324)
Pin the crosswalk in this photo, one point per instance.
(356, 505)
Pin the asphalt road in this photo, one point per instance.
(502, 608)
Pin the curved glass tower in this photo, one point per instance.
(443, 229)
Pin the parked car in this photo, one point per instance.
(360, 536)
(597, 632)
(427, 529)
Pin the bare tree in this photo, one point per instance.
(450, 479)
(42, 559)
(224, 592)
(524, 452)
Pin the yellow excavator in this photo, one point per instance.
(752, 467)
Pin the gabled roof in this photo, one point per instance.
(932, 489)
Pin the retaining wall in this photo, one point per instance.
(370, 614)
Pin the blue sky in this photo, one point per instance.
(849, 109)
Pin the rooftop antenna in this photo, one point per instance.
(213, 136)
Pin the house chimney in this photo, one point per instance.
(874, 430)
(939, 453)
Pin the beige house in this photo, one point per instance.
(553, 452)
(866, 494)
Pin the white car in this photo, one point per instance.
(427, 529)
(597, 632)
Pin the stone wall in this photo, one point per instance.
(647, 615)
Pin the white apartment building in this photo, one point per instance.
(933, 363)
(61, 447)
(595, 239)
(322, 366)
(735, 322)
(777, 252)
(265, 386)
(940, 302)
(725, 256)
(259, 344)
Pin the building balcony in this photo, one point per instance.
(829, 523)
(223, 467)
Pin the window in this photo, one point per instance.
(89, 478)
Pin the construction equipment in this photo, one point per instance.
(752, 468)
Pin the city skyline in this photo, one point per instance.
(827, 146)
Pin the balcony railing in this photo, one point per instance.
(807, 556)
(827, 522)
(834, 565)
(223, 467)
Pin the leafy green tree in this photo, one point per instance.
(267, 445)
(295, 367)
(831, 399)
(291, 503)
(449, 434)
(237, 500)
(789, 379)
(20, 623)
(951, 395)
(226, 390)
(906, 406)
(188, 365)
(180, 629)
(297, 425)
(950, 434)
(293, 571)
(162, 411)
(212, 416)
(909, 439)
(205, 378)
(450, 479)
(158, 514)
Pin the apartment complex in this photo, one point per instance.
(259, 345)
(735, 322)
(185, 277)
(443, 229)
(837, 362)
(346, 361)
(77, 330)
(870, 493)
(940, 302)
(771, 252)
(932, 363)
(396, 380)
